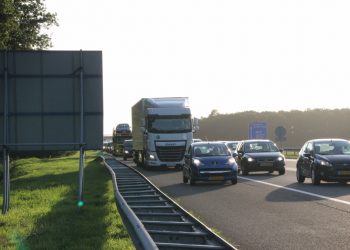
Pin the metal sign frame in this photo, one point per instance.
(8, 146)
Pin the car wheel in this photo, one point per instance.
(282, 171)
(343, 182)
(234, 181)
(245, 172)
(315, 177)
(270, 171)
(125, 158)
(184, 178)
(300, 177)
(192, 180)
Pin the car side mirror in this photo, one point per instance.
(307, 154)
(234, 154)
(281, 150)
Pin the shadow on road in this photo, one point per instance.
(332, 190)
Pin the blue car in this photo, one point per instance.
(209, 161)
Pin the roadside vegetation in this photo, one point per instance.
(43, 207)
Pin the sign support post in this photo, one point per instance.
(82, 153)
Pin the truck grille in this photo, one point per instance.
(169, 154)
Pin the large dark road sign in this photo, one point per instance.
(51, 97)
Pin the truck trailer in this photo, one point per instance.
(162, 131)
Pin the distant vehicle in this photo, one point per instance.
(123, 128)
(259, 155)
(324, 159)
(209, 161)
(121, 133)
(196, 140)
(232, 145)
(127, 149)
(162, 131)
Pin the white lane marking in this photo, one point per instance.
(297, 191)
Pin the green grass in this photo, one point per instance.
(291, 154)
(43, 207)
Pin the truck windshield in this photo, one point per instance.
(169, 124)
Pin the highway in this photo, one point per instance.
(265, 211)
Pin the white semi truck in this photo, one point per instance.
(162, 131)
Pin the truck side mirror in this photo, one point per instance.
(195, 124)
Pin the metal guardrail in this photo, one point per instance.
(157, 222)
(291, 152)
(138, 233)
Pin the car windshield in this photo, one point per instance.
(263, 146)
(211, 150)
(332, 148)
(169, 124)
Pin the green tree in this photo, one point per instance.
(22, 24)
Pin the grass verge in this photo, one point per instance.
(43, 207)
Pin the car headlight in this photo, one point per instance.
(280, 158)
(196, 162)
(126, 152)
(250, 159)
(325, 163)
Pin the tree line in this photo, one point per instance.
(300, 126)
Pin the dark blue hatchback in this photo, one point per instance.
(209, 161)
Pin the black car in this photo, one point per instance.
(127, 149)
(259, 155)
(324, 159)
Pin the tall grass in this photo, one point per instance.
(43, 207)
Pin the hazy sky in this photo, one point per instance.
(230, 55)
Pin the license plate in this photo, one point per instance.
(343, 172)
(266, 164)
(216, 178)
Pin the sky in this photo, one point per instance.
(227, 55)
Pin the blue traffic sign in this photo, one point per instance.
(258, 130)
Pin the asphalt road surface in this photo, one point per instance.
(266, 211)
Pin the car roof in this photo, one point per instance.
(208, 143)
(257, 140)
(326, 140)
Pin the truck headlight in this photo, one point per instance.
(151, 157)
(126, 152)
